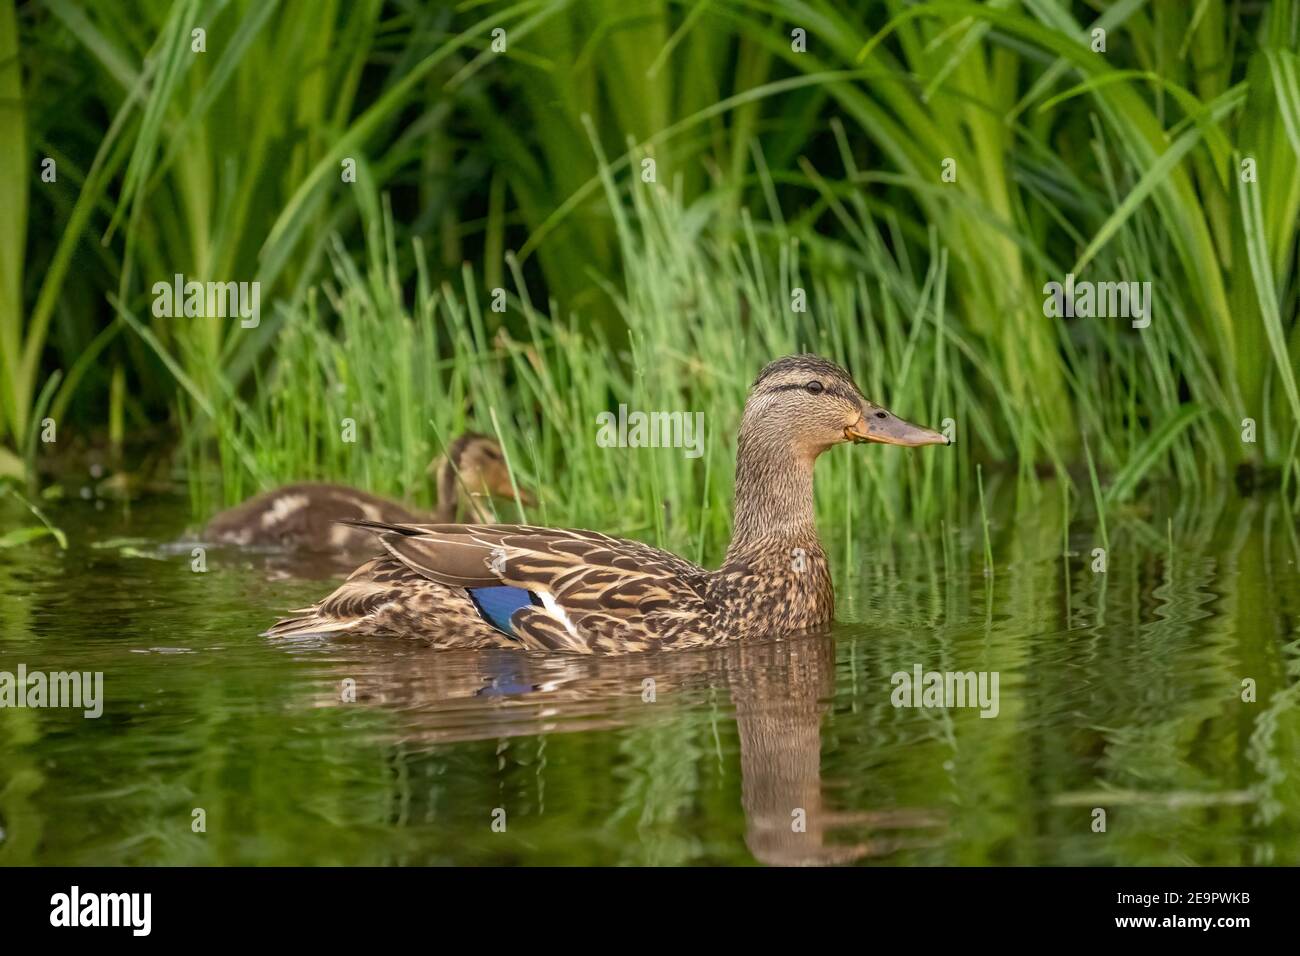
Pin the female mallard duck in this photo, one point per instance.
(546, 589)
(306, 516)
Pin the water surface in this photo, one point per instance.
(1118, 691)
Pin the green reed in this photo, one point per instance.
(372, 374)
(371, 377)
(776, 170)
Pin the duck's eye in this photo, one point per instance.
(815, 387)
(882, 415)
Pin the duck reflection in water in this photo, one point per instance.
(780, 692)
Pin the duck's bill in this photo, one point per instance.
(886, 428)
(497, 484)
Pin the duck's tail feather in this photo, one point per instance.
(306, 625)
(349, 608)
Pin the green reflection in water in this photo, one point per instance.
(1120, 691)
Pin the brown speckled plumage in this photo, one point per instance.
(597, 594)
(305, 517)
(310, 517)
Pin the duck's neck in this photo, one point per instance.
(773, 500)
(452, 505)
(448, 494)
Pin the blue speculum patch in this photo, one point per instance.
(496, 604)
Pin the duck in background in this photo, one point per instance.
(305, 516)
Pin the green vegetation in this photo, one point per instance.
(1169, 158)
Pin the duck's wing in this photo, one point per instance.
(385, 598)
(582, 590)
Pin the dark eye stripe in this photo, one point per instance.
(826, 390)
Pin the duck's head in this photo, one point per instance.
(807, 404)
(473, 468)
